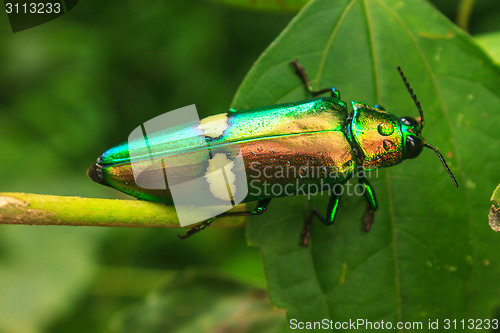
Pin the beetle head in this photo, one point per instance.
(413, 142)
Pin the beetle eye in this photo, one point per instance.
(413, 146)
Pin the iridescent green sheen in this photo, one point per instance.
(309, 133)
(314, 134)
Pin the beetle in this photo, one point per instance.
(318, 132)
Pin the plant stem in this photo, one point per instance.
(36, 209)
(463, 13)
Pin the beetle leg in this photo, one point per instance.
(302, 74)
(331, 211)
(197, 228)
(259, 209)
(371, 200)
(305, 234)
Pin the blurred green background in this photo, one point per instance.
(75, 86)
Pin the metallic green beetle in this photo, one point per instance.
(318, 134)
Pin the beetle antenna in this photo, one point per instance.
(410, 90)
(443, 161)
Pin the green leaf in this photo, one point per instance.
(428, 254)
(197, 301)
(266, 5)
(494, 216)
(496, 194)
(491, 44)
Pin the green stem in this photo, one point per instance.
(36, 209)
(463, 13)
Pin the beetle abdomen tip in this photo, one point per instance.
(95, 173)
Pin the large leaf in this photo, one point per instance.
(430, 253)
